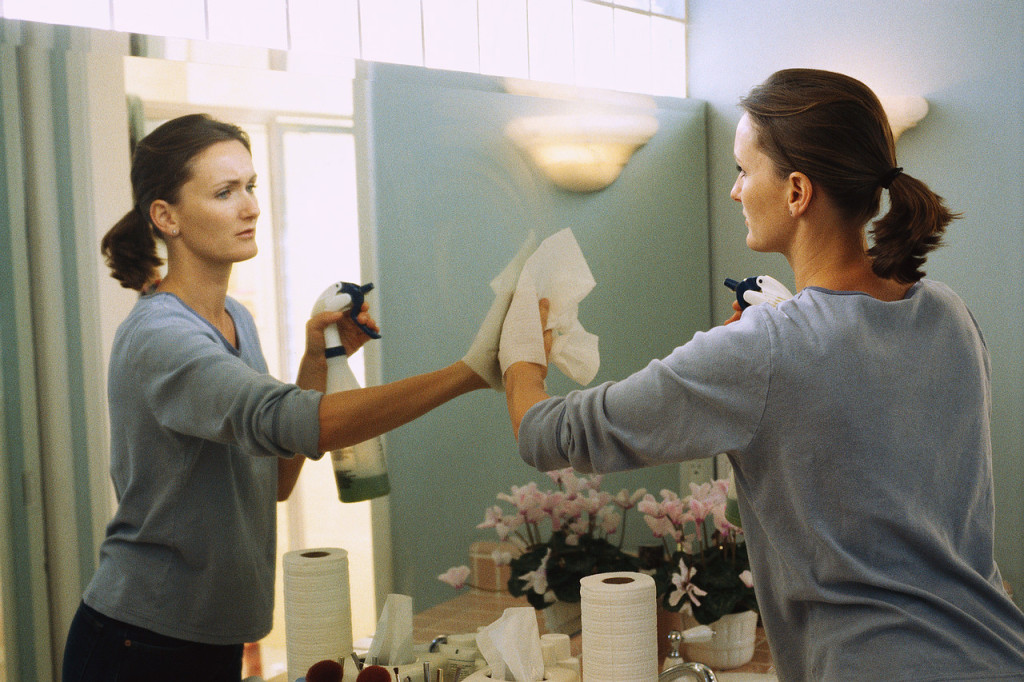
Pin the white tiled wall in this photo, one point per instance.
(635, 45)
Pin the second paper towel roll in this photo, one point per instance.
(317, 607)
(620, 627)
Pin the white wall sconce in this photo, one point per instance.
(904, 112)
(582, 152)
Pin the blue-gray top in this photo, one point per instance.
(196, 429)
(859, 434)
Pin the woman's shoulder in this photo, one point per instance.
(162, 320)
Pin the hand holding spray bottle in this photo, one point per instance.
(359, 470)
(759, 289)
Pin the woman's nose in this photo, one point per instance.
(252, 207)
(735, 193)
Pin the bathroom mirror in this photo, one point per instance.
(645, 238)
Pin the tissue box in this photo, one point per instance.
(487, 575)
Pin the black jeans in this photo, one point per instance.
(101, 649)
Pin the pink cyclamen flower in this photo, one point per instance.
(649, 506)
(501, 558)
(609, 521)
(685, 588)
(747, 578)
(537, 580)
(626, 501)
(455, 576)
(492, 517)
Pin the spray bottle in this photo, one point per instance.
(359, 470)
(759, 289)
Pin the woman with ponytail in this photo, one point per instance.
(855, 415)
(203, 441)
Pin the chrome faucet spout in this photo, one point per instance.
(696, 671)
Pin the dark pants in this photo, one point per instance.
(101, 649)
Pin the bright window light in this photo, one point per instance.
(182, 19)
(550, 29)
(248, 22)
(91, 13)
(327, 28)
(593, 34)
(503, 47)
(391, 31)
(632, 51)
(668, 57)
(669, 8)
(450, 36)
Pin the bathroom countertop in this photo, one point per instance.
(476, 608)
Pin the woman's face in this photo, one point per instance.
(762, 192)
(216, 210)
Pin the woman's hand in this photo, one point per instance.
(352, 336)
(524, 381)
(313, 366)
(735, 315)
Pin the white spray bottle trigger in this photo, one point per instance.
(759, 289)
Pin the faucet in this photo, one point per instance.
(697, 671)
(676, 668)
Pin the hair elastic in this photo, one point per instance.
(887, 179)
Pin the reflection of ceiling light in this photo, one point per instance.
(584, 152)
(904, 112)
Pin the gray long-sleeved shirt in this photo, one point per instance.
(859, 434)
(196, 429)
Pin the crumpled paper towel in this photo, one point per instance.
(392, 643)
(482, 356)
(511, 646)
(558, 272)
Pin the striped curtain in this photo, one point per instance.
(53, 474)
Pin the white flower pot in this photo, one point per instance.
(732, 645)
(563, 617)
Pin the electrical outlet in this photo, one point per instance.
(696, 471)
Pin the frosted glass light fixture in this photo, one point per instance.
(904, 112)
(582, 152)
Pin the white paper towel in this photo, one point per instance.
(392, 642)
(511, 646)
(317, 607)
(620, 627)
(558, 272)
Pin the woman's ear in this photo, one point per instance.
(799, 193)
(162, 216)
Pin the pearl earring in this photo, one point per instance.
(174, 233)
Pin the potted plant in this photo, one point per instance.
(560, 536)
(702, 569)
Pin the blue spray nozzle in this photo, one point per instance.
(741, 288)
(358, 293)
(759, 289)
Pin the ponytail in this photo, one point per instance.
(832, 128)
(129, 248)
(912, 228)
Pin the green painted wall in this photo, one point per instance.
(451, 202)
(967, 59)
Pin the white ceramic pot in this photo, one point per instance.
(732, 645)
(563, 617)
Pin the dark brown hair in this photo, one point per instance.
(161, 164)
(832, 128)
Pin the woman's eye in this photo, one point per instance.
(740, 170)
(250, 188)
(223, 194)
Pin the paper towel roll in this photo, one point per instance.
(620, 627)
(317, 608)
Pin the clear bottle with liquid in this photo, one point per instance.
(360, 470)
